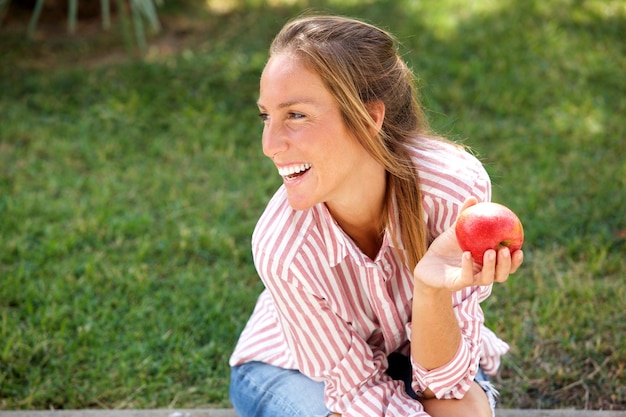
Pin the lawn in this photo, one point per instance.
(129, 189)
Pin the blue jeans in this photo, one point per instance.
(261, 390)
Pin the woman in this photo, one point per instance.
(370, 308)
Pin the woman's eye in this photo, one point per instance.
(291, 116)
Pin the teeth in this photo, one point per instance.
(293, 169)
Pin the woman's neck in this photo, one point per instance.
(362, 217)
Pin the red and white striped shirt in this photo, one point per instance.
(335, 315)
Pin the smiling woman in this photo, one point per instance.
(302, 122)
(371, 308)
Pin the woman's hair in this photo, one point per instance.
(359, 64)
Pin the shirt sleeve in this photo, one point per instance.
(493, 348)
(447, 181)
(453, 380)
(326, 348)
(442, 209)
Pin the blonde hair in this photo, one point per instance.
(360, 64)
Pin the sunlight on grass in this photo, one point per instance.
(606, 9)
(222, 6)
(437, 16)
(227, 6)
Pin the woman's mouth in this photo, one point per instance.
(292, 172)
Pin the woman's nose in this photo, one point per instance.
(274, 139)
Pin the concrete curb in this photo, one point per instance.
(231, 413)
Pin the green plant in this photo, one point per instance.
(139, 11)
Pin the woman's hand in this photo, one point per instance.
(446, 266)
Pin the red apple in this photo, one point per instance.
(486, 226)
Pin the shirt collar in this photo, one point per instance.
(338, 243)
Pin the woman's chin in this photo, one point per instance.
(299, 202)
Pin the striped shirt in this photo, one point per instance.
(335, 315)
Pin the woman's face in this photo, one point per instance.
(306, 137)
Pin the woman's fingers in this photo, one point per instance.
(503, 265)
(517, 258)
(468, 277)
(497, 266)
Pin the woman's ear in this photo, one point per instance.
(376, 110)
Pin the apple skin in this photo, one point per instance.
(487, 225)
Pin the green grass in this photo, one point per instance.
(128, 193)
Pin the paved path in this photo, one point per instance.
(231, 413)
